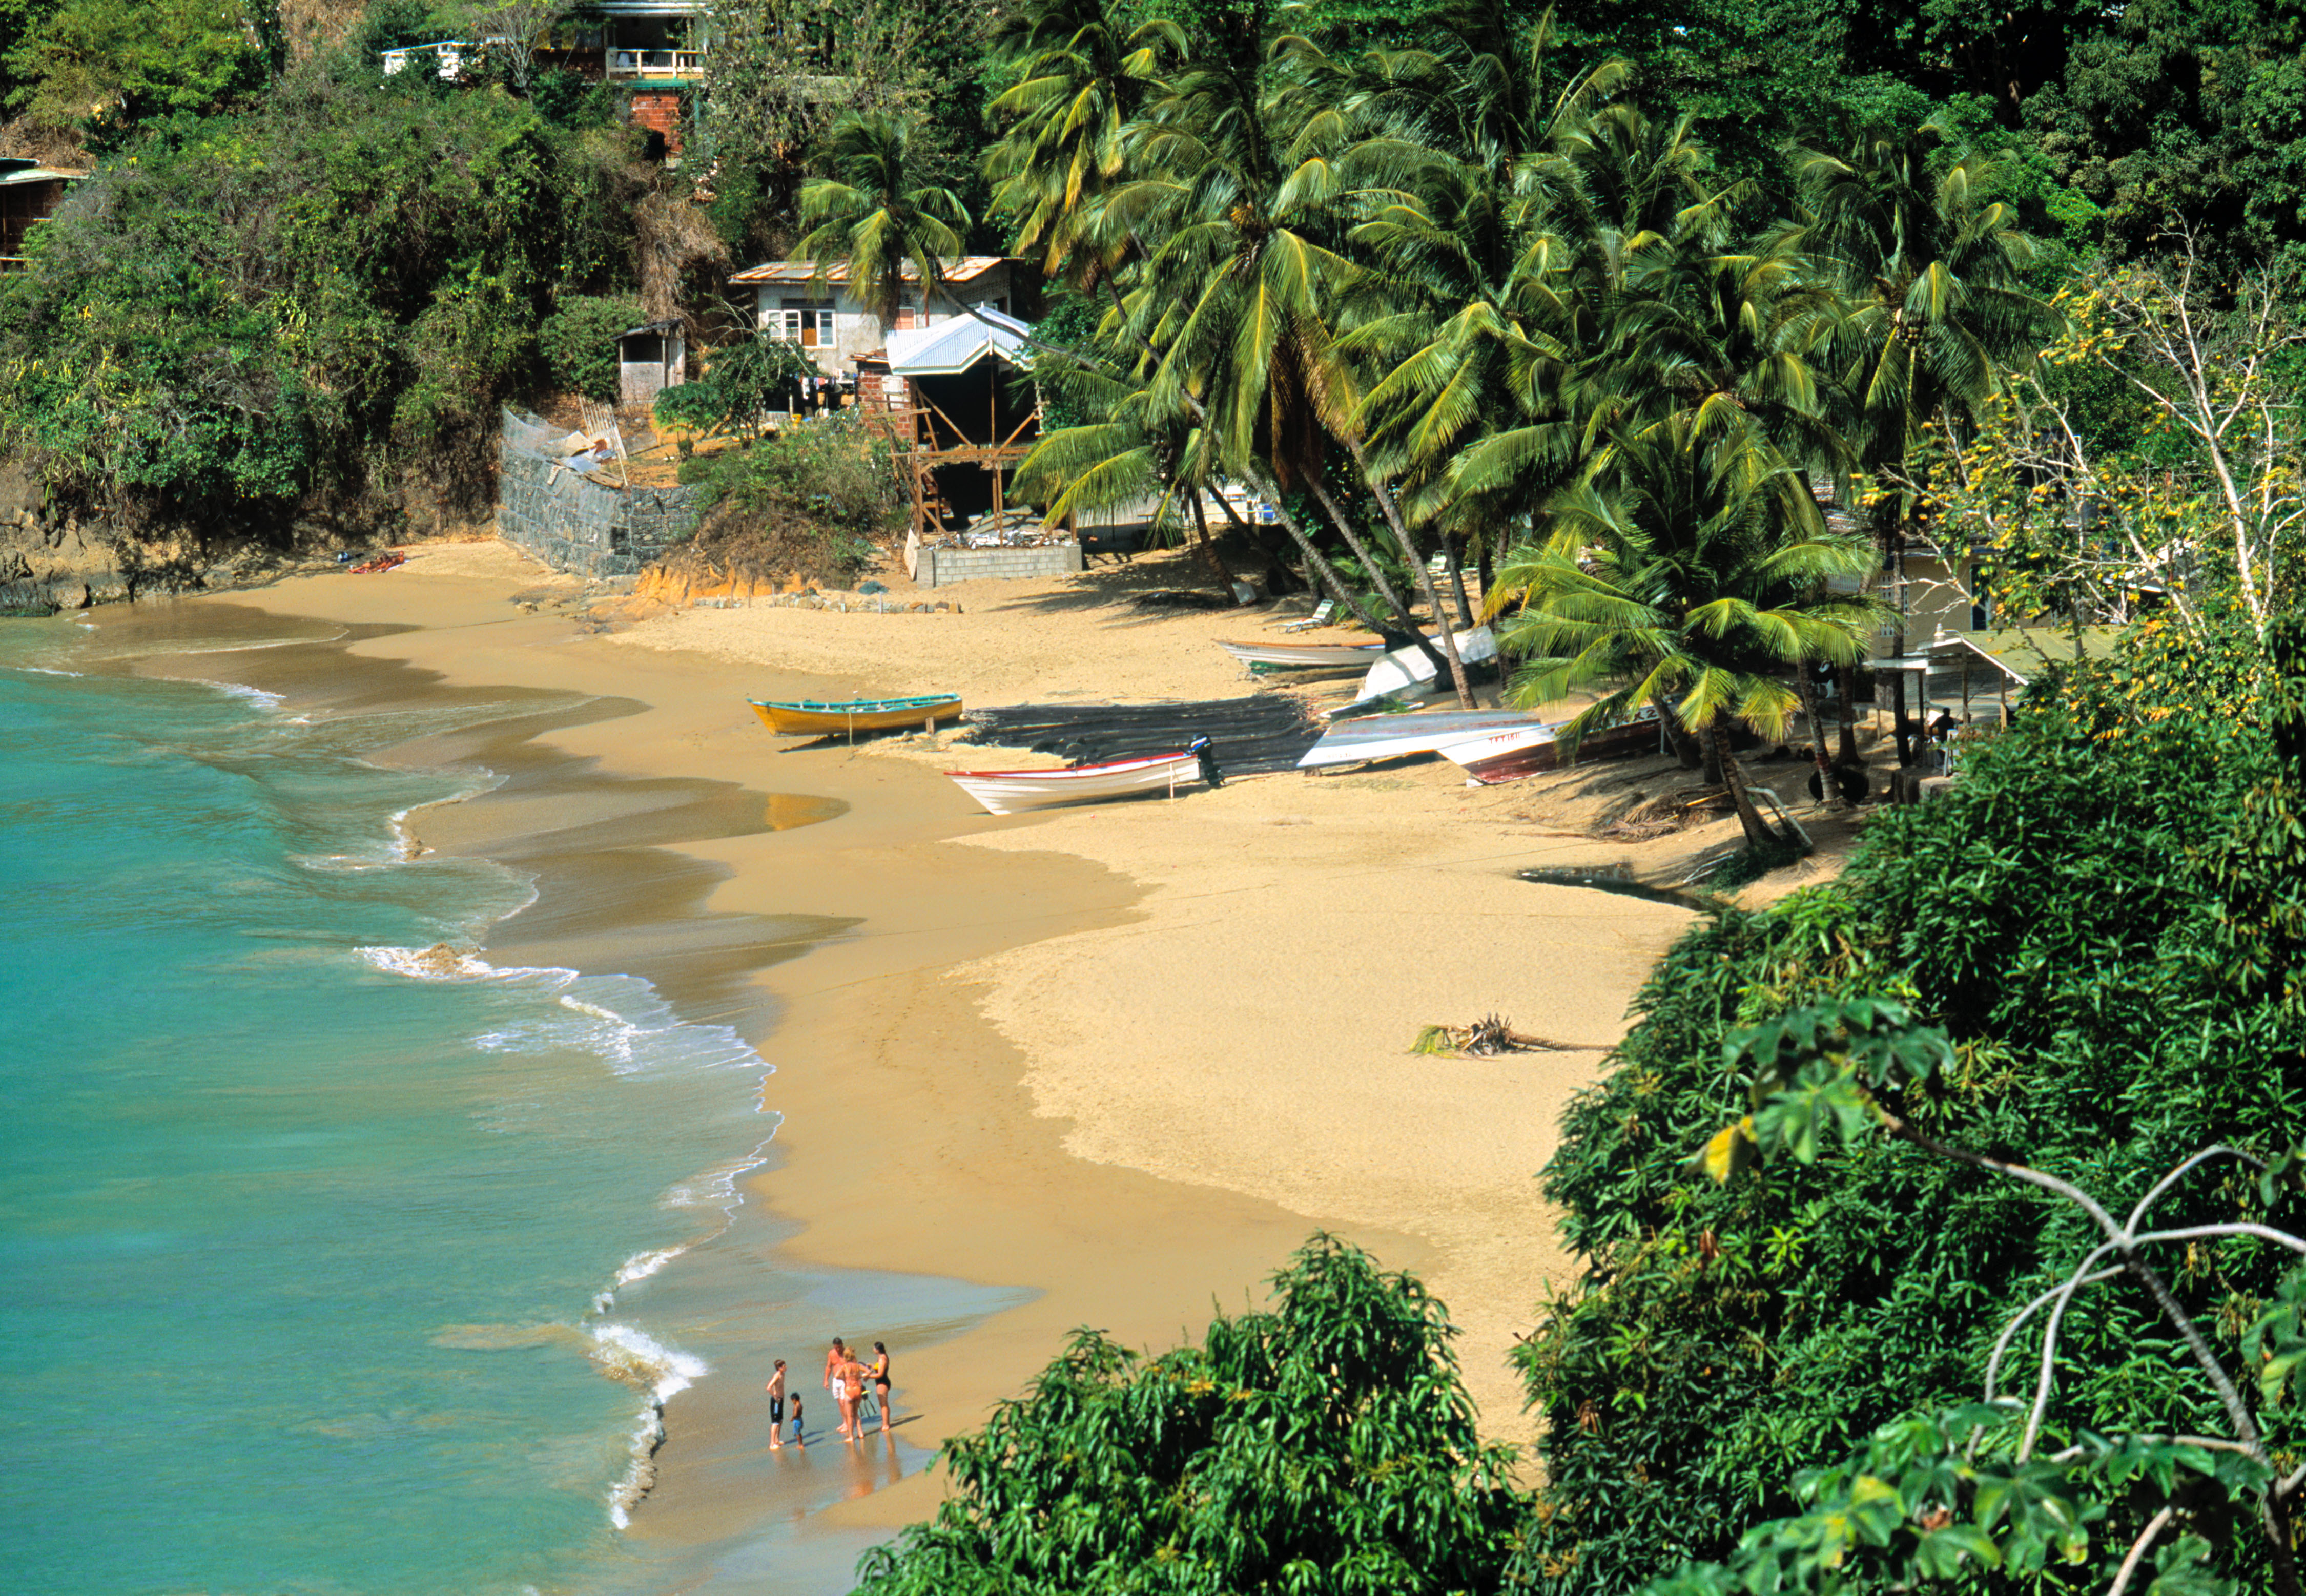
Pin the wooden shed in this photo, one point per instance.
(960, 409)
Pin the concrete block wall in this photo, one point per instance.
(575, 525)
(941, 567)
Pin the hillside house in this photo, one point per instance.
(655, 48)
(834, 329)
(29, 194)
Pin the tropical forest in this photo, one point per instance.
(1940, 1227)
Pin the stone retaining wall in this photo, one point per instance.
(572, 523)
(941, 567)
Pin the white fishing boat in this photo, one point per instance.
(1407, 668)
(1364, 738)
(1503, 755)
(1305, 656)
(1526, 751)
(1005, 792)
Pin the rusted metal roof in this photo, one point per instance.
(965, 270)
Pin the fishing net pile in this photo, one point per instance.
(1247, 736)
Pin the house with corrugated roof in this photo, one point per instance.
(817, 312)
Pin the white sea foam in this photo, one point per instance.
(640, 1266)
(716, 1188)
(255, 695)
(46, 670)
(659, 1371)
(444, 962)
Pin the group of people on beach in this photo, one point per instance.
(847, 1379)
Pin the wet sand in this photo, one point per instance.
(1110, 1066)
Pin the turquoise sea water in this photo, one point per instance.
(326, 1274)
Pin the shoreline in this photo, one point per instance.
(959, 1069)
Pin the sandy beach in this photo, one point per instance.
(1116, 1061)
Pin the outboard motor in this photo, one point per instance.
(1199, 746)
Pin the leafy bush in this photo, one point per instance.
(107, 67)
(741, 384)
(578, 342)
(308, 300)
(1323, 1446)
(813, 502)
(2104, 920)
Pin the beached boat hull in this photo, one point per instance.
(1407, 668)
(1529, 751)
(1005, 792)
(1391, 736)
(809, 718)
(1504, 755)
(1305, 656)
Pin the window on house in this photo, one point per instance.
(1981, 601)
(906, 316)
(803, 322)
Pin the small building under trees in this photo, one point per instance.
(650, 357)
(29, 194)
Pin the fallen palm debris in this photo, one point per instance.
(1486, 1038)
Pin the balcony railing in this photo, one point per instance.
(656, 63)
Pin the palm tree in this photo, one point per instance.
(1081, 77)
(1934, 275)
(877, 215)
(1228, 215)
(1688, 565)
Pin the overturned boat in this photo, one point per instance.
(1407, 668)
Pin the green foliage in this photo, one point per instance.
(578, 343)
(740, 385)
(1325, 1444)
(252, 309)
(2053, 944)
(815, 501)
(695, 406)
(107, 67)
(1940, 1502)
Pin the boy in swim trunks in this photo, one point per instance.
(797, 1441)
(776, 1389)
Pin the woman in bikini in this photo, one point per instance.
(881, 1382)
(844, 1397)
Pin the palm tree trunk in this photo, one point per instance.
(1209, 544)
(1827, 791)
(1312, 557)
(1408, 619)
(1845, 683)
(1758, 831)
(1457, 580)
(1684, 742)
(1408, 545)
(1416, 557)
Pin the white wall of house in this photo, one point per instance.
(835, 328)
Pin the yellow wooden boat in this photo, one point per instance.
(809, 717)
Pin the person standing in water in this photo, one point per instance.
(851, 1377)
(798, 1439)
(881, 1382)
(833, 1359)
(776, 1388)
